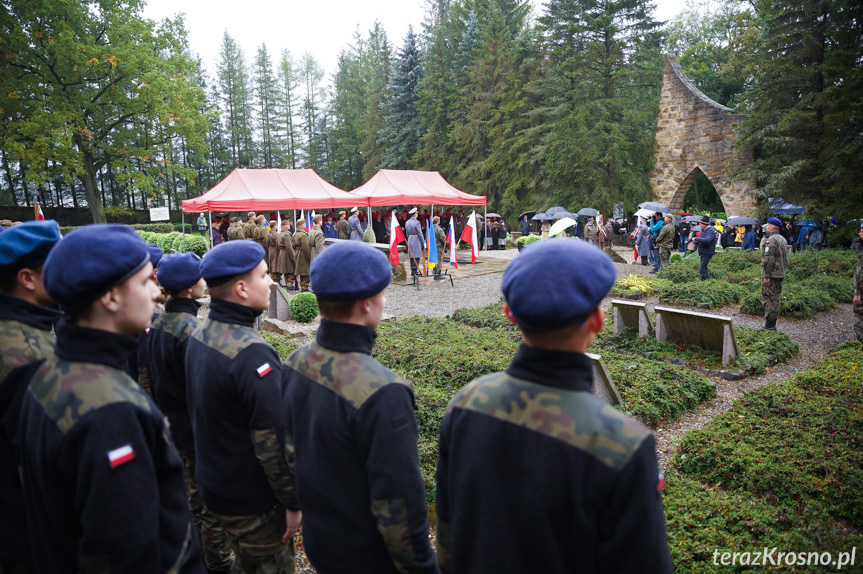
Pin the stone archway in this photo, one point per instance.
(695, 134)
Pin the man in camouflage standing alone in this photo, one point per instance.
(858, 289)
(664, 243)
(774, 260)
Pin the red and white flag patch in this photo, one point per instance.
(661, 482)
(264, 369)
(121, 455)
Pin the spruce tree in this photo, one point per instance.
(265, 97)
(287, 104)
(402, 133)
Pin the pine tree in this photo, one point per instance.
(402, 133)
(379, 64)
(287, 106)
(236, 101)
(265, 95)
(313, 113)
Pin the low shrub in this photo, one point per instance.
(839, 287)
(490, 316)
(682, 271)
(762, 348)
(805, 264)
(154, 227)
(180, 226)
(527, 239)
(304, 307)
(195, 244)
(715, 292)
(67, 228)
(798, 301)
(636, 286)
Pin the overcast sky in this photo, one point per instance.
(321, 27)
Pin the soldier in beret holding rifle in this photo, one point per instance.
(103, 482)
(583, 476)
(25, 336)
(353, 430)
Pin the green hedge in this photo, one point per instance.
(797, 301)
(717, 293)
(304, 307)
(527, 239)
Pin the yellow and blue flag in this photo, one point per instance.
(432, 244)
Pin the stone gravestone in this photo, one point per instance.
(279, 304)
(629, 314)
(711, 332)
(603, 386)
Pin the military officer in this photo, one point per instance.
(664, 242)
(353, 429)
(342, 227)
(249, 226)
(286, 256)
(316, 238)
(103, 482)
(585, 475)
(260, 233)
(774, 260)
(235, 405)
(25, 336)
(416, 240)
(302, 255)
(165, 344)
(355, 226)
(273, 252)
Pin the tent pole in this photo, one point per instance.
(210, 230)
(484, 228)
(184, 229)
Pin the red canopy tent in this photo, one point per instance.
(263, 189)
(408, 187)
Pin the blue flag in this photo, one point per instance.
(433, 259)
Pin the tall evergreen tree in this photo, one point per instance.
(288, 105)
(235, 93)
(402, 133)
(313, 116)
(379, 63)
(265, 96)
(347, 112)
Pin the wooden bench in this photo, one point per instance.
(630, 314)
(711, 332)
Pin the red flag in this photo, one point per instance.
(39, 215)
(396, 236)
(469, 236)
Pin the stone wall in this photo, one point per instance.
(694, 134)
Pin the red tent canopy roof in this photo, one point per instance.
(408, 187)
(262, 189)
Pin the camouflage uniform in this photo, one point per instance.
(104, 483)
(249, 230)
(440, 243)
(774, 260)
(664, 242)
(535, 474)
(236, 407)
(260, 235)
(362, 496)
(858, 289)
(165, 344)
(25, 336)
(343, 229)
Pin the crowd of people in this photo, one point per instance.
(138, 437)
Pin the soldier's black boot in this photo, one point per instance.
(770, 325)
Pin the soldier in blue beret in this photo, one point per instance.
(164, 345)
(235, 396)
(26, 323)
(104, 482)
(353, 429)
(584, 475)
(139, 368)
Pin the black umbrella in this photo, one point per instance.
(654, 206)
(588, 212)
(529, 214)
(555, 209)
(741, 220)
(809, 222)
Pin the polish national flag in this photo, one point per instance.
(469, 236)
(396, 236)
(450, 238)
(264, 370)
(121, 455)
(39, 215)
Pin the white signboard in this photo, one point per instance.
(159, 214)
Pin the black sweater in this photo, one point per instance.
(537, 475)
(103, 483)
(355, 444)
(234, 388)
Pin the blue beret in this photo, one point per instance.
(775, 221)
(370, 272)
(90, 261)
(555, 283)
(230, 259)
(155, 254)
(179, 271)
(26, 246)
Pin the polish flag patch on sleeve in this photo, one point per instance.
(121, 455)
(264, 369)
(661, 482)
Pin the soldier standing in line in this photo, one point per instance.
(286, 256)
(302, 255)
(261, 232)
(235, 398)
(664, 243)
(584, 474)
(26, 323)
(103, 482)
(416, 240)
(858, 289)
(342, 227)
(316, 238)
(774, 260)
(353, 429)
(138, 362)
(273, 252)
(165, 344)
(249, 227)
(355, 226)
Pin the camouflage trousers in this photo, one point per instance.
(858, 322)
(770, 298)
(664, 257)
(215, 542)
(257, 542)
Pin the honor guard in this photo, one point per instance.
(353, 430)
(103, 482)
(302, 255)
(236, 407)
(25, 336)
(584, 475)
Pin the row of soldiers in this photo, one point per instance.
(234, 449)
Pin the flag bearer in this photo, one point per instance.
(353, 429)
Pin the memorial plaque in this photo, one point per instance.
(603, 386)
(159, 214)
(711, 332)
(629, 314)
(279, 304)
